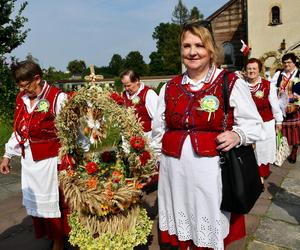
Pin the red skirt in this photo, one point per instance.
(291, 128)
(53, 228)
(237, 231)
(264, 170)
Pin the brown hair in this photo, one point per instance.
(25, 70)
(133, 76)
(202, 29)
(254, 60)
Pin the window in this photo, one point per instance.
(229, 58)
(275, 15)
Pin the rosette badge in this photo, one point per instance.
(43, 106)
(210, 104)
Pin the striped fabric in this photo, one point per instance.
(291, 128)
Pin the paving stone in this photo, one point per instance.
(237, 245)
(285, 212)
(294, 173)
(278, 233)
(255, 245)
(279, 171)
(289, 192)
(292, 186)
(261, 206)
(252, 223)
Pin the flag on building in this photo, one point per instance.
(245, 48)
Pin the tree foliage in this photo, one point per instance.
(167, 56)
(134, 60)
(77, 67)
(196, 14)
(180, 14)
(11, 36)
(116, 64)
(51, 75)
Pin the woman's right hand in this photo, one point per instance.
(4, 166)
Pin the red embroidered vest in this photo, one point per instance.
(140, 108)
(184, 116)
(38, 127)
(261, 99)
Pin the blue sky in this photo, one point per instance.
(94, 30)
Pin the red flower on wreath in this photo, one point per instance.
(91, 167)
(117, 98)
(137, 143)
(144, 157)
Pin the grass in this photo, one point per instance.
(5, 133)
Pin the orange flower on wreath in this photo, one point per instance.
(92, 182)
(116, 176)
(137, 142)
(109, 194)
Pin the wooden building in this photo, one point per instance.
(265, 25)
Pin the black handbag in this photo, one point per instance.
(240, 177)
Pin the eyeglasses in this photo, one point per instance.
(25, 85)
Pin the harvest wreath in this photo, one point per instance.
(103, 186)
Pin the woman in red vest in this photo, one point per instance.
(265, 97)
(188, 132)
(34, 138)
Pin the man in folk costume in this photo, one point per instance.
(34, 138)
(140, 96)
(288, 85)
(144, 100)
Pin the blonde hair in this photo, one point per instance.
(197, 29)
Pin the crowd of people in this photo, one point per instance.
(185, 126)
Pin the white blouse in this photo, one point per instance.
(247, 121)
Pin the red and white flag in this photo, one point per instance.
(245, 48)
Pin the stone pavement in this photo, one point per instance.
(273, 223)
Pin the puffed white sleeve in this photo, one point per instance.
(273, 99)
(247, 121)
(151, 102)
(159, 124)
(12, 147)
(61, 99)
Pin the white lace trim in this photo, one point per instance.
(203, 233)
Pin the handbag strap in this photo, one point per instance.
(225, 95)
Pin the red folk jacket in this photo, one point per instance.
(38, 127)
(184, 116)
(261, 99)
(140, 108)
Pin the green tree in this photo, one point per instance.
(11, 36)
(156, 64)
(196, 14)
(77, 67)
(135, 61)
(180, 14)
(168, 48)
(116, 64)
(51, 75)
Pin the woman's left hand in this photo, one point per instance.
(227, 140)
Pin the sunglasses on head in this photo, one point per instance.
(197, 23)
